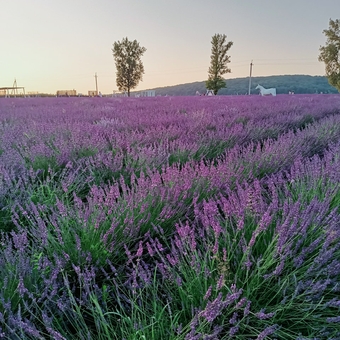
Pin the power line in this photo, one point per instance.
(302, 63)
(233, 64)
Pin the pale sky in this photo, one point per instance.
(50, 45)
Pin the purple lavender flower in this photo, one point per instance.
(233, 319)
(22, 290)
(266, 332)
(233, 331)
(220, 282)
(208, 293)
(213, 309)
(263, 316)
(140, 249)
(150, 250)
(334, 319)
(241, 303)
(247, 309)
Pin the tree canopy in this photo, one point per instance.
(218, 62)
(130, 69)
(330, 53)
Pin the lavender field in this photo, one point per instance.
(170, 218)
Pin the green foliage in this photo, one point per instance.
(218, 63)
(44, 194)
(85, 152)
(306, 120)
(14, 286)
(6, 223)
(215, 84)
(213, 150)
(329, 53)
(130, 69)
(179, 156)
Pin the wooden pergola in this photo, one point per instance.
(14, 90)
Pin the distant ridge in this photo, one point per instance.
(299, 84)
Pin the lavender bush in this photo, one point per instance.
(170, 218)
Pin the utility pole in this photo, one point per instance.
(95, 77)
(251, 70)
(14, 88)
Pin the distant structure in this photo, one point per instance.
(121, 94)
(207, 93)
(66, 93)
(148, 93)
(5, 91)
(92, 93)
(33, 94)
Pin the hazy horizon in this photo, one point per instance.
(50, 46)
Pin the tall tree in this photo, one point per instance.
(330, 53)
(218, 62)
(127, 55)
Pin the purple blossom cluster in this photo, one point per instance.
(186, 218)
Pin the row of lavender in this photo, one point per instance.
(214, 249)
(115, 137)
(241, 162)
(151, 130)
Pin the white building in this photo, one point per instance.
(148, 93)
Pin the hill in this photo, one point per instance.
(283, 84)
